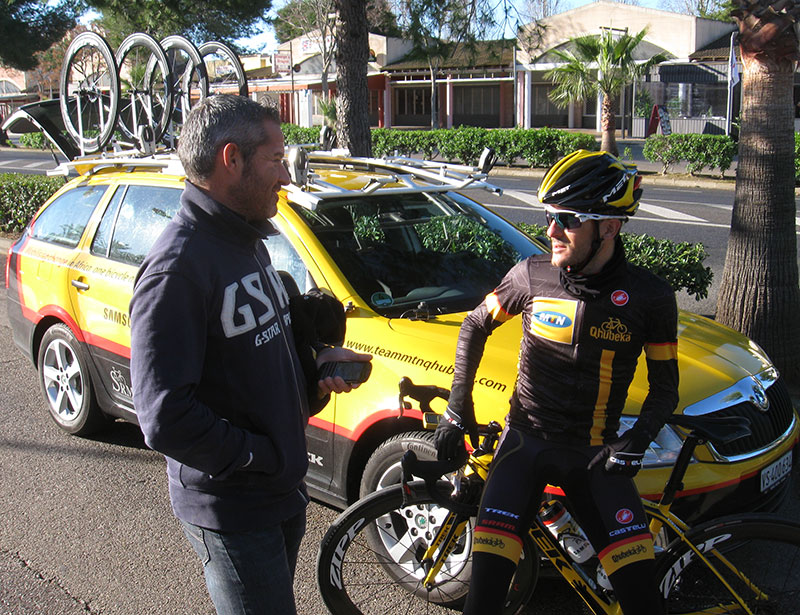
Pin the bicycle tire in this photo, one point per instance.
(189, 77)
(89, 91)
(225, 72)
(369, 560)
(766, 549)
(150, 100)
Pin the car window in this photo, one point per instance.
(398, 251)
(64, 220)
(102, 238)
(286, 259)
(142, 214)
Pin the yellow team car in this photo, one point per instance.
(408, 255)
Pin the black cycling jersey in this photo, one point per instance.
(582, 339)
(581, 343)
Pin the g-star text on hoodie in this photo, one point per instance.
(243, 312)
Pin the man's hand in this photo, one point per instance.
(449, 436)
(331, 384)
(624, 455)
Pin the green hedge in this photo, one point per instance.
(698, 151)
(21, 196)
(680, 264)
(536, 147)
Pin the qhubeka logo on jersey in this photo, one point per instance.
(554, 319)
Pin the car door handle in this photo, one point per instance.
(80, 285)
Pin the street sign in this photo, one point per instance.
(282, 62)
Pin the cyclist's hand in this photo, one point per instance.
(624, 455)
(449, 436)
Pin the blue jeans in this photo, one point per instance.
(250, 573)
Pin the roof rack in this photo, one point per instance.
(88, 165)
(404, 176)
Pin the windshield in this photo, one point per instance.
(399, 251)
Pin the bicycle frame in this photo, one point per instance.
(597, 599)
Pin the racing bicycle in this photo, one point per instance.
(407, 548)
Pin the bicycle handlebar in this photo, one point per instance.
(431, 472)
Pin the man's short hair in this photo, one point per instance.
(217, 120)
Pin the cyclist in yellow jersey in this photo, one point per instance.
(587, 314)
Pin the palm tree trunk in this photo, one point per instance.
(352, 110)
(608, 125)
(759, 293)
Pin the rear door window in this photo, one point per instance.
(65, 219)
(133, 221)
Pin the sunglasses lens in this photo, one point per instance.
(564, 220)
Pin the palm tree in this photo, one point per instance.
(604, 64)
(759, 292)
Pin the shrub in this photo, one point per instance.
(295, 135)
(464, 143)
(698, 151)
(680, 264)
(21, 196)
(34, 140)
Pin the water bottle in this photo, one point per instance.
(557, 519)
(602, 578)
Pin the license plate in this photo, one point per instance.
(775, 472)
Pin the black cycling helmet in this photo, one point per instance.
(592, 182)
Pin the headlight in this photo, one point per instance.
(663, 451)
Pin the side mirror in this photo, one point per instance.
(487, 160)
(326, 137)
(298, 165)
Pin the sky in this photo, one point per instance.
(265, 42)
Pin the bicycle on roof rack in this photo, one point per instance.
(144, 90)
(407, 548)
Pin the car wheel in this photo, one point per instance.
(65, 381)
(383, 468)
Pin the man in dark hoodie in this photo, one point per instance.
(218, 385)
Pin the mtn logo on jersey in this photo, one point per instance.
(554, 319)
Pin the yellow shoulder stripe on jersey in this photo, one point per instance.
(495, 309)
(661, 352)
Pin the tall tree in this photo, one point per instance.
(708, 9)
(599, 64)
(33, 26)
(45, 77)
(534, 10)
(315, 19)
(199, 20)
(352, 53)
(380, 19)
(437, 28)
(759, 292)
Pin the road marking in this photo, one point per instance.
(665, 212)
(524, 197)
(31, 165)
(5, 163)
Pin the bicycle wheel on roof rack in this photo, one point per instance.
(189, 80)
(146, 95)
(89, 95)
(225, 72)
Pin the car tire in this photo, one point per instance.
(383, 467)
(66, 383)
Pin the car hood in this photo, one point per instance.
(711, 357)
